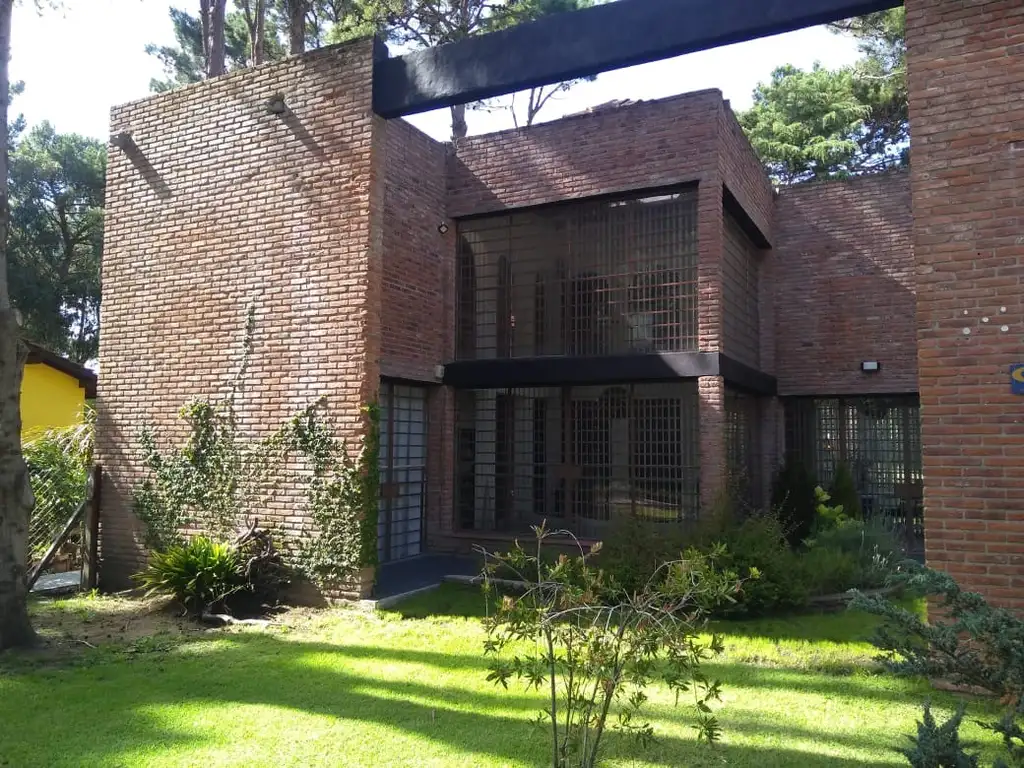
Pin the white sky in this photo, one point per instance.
(79, 61)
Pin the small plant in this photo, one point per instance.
(939, 746)
(829, 515)
(594, 659)
(200, 574)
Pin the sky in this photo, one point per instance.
(79, 61)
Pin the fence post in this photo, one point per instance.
(90, 533)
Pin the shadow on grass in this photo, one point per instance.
(110, 713)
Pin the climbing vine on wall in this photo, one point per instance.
(343, 496)
(219, 479)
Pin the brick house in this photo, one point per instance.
(612, 311)
(602, 314)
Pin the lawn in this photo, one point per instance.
(120, 685)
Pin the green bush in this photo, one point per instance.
(759, 544)
(793, 498)
(200, 574)
(973, 645)
(827, 571)
(633, 550)
(844, 492)
(852, 555)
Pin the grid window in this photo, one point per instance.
(879, 439)
(743, 445)
(588, 278)
(577, 456)
(403, 469)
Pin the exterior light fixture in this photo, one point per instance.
(442, 228)
(871, 366)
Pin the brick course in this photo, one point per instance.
(967, 165)
(222, 203)
(844, 269)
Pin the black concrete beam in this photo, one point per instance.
(583, 43)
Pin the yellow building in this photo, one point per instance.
(53, 391)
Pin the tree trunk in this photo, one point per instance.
(260, 32)
(215, 30)
(297, 25)
(255, 12)
(15, 491)
(459, 126)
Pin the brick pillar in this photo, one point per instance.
(713, 468)
(966, 63)
(215, 202)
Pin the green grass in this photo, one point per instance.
(408, 688)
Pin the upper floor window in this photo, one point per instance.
(586, 278)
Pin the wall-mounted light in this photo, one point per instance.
(442, 228)
(871, 366)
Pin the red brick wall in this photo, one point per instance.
(223, 203)
(743, 173)
(844, 274)
(417, 311)
(416, 330)
(966, 66)
(645, 145)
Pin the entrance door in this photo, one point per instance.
(403, 460)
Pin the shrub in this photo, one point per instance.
(844, 492)
(975, 645)
(850, 555)
(759, 544)
(200, 574)
(793, 498)
(827, 570)
(633, 550)
(586, 654)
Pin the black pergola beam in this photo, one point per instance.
(565, 46)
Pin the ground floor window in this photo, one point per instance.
(878, 437)
(403, 470)
(743, 446)
(576, 456)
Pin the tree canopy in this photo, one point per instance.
(832, 123)
(56, 239)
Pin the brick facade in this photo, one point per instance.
(331, 219)
(844, 266)
(218, 203)
(965, 67)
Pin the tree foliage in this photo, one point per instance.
(832, 123)
(56, 239)
(255, 31)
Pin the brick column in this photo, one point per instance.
(713, 467)
(966, 63)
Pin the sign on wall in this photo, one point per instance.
(1017, 379)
